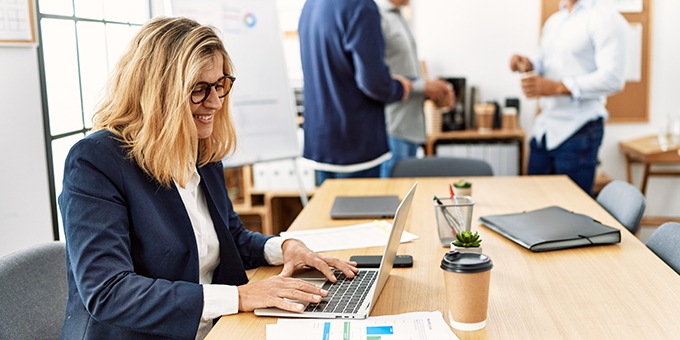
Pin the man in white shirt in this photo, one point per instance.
(581, 61)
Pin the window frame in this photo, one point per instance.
(48, 136)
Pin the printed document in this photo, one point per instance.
(371, 234)
(412, 326)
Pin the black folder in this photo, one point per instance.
(357, 207)
(551, 228)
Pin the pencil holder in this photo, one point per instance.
(453, 216)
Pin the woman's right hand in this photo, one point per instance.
(276, 291)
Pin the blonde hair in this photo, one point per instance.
(146, 104)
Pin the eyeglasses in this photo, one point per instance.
(202, 89)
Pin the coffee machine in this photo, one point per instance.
(454, 120)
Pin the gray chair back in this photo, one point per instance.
(623, 201)
(440, 167)
(33, 292)
(665, 243)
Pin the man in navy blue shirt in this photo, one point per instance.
(347, 85)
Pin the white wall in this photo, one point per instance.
(25, 215)
(475, 39)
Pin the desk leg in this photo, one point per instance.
(522, 164)
(429, 148)
(645, 176)
(629, 176)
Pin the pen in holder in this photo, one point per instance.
(453, 216)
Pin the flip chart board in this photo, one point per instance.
(262, 100)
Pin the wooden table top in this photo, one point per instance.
(475, 134)
(647, 149)
(620, 291)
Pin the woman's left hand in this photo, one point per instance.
(296, 255)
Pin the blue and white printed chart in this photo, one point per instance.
(411, 326)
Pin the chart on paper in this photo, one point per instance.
(414, 326)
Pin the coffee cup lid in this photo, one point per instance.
(458, 262)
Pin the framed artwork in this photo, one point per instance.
(17, 23)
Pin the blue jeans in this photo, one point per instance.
(321, 176)
(576, 157)
(400, 149)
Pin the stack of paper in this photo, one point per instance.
(371, 234)
(414, 326)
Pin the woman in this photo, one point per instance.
(154, 247)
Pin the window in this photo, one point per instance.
(80, 42)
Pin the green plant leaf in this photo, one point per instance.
(467, 239)
(462, 184)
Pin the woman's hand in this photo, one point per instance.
(277, 291)
(274, 292)
(296, 255)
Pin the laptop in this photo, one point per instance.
(352, 298)
(355, 207)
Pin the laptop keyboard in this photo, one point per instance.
(345, 295)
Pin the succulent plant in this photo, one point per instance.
(462, 184)
(467, 239)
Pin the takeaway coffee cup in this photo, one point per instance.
(509, 118)
(466, 278)
(484, 117)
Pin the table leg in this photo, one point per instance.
(629, 176)
(429, 148)
(645, 176)
(522, 163)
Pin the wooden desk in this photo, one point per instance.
(453, 137)
(647, 152)
(618, 291)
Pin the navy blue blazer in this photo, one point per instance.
(132, 257)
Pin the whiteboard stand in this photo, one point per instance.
(301, 185)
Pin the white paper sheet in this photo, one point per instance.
(628, 6)
(413, 326)
(634, 53)
(371, 234)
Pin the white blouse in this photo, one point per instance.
(217, 299)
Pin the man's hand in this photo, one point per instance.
(520, 63)
(436, 89)
(296, 255)
(535, 86)
(407, 84)
(274, 291)
(441, 92)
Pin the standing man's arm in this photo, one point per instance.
(608, 34)
(364, 40)
(534, 85)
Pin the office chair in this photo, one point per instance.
(664, 243)
(33, 292)
(440, 167)
(623, 201)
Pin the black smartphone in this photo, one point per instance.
(373, 261)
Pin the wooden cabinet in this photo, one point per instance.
(268, 212)
(514, 136)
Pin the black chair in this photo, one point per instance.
(33, 292)
(440, 167)
(664, 243)
(625, 202)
